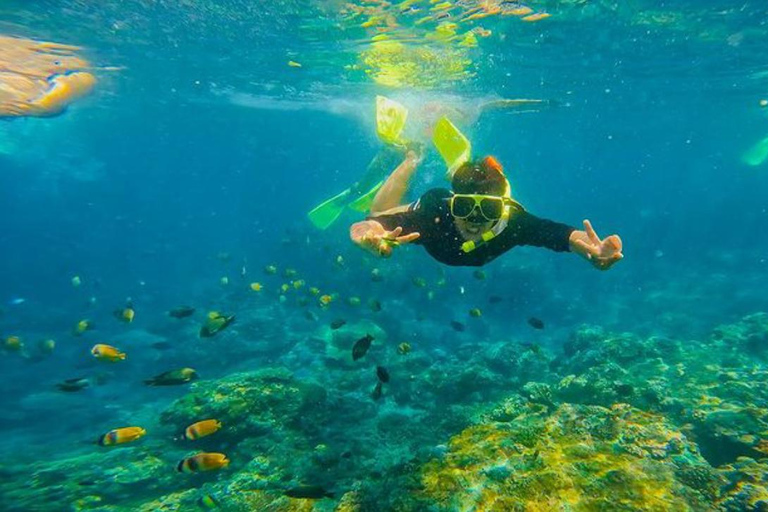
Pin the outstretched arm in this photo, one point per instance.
(603, 254)
(391, 193)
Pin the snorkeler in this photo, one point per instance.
(474, 223)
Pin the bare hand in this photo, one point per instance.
(603, 254)
(380, 242)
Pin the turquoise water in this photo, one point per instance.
(200, 151)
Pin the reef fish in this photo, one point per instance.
(337, 324)
(107, 353)
(458, 326)
(361, 346)
(308, 492)
(181, 312)
(215, 324)
(377, 392)
(173, 377)
(535, 323)
(202, 462)
(382, 374)
(201, 429)
(73, 385)
(121, 436)
(126, 314)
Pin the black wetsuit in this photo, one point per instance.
(431, 217)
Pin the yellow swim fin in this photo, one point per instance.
(452, 145)
(757, 154)
(363, 203)
(324, 214)
(390, 120)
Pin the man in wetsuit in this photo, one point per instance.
(473, 224)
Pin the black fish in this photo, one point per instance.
(361, 346)
(377, 391)
(535, 323)
(181, 312)
(336, 324)
(308, 492)
(72, 385)
(495, 299)
(458, 326)
(375, 306)
(382, 374)
(161, 345)
(172, 378)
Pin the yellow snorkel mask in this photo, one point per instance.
(492, 208)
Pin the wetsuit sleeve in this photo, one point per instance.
(538, 232)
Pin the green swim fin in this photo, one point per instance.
(757, 154)
(363, 203)
(390, 120)
(324, 214)
(452, 145)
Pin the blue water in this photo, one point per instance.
(199, 140)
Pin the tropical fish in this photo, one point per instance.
(535, 323)
(308, 492)
(76, 281)
(338, 323)
(202, 429)
(458, 326)
(376, 275)
(73, 385)
(375, 305)
(121, 436)
(361, 346)
(313, 290)
(290, 272)
(256, 287)
(382, 374)
(495, 299)
(419, 282)
(377, 392)
(208, 502)
(125, 314)
(224, 281)
(270, 269)
(479, 275)
(107, 353)
(13, 344)
(161, 345)
(202, 462)
(325, 300)
(475, 313)
(173, 377)
(354, 301)
(181, 312)
(81, 327)
(47, 346)
(215, 323)
(404, 348)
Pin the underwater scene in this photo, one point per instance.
(384, 255)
